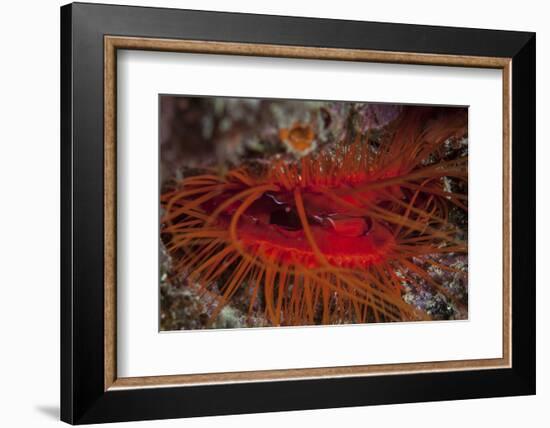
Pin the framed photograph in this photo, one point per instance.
(266, 213)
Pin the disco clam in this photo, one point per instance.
(332, 237)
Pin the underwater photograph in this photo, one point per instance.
(280, 212)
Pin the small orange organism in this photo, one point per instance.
(299, 138)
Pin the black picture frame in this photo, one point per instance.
(83, 396)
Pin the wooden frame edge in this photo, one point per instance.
(301, 52)
(109, 196)
(112, 43)
(299, 374)
(507, 213)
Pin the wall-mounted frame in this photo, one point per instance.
(95, 42)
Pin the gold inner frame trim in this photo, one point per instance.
(113, 43)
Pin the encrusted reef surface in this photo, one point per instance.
(201, 132)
